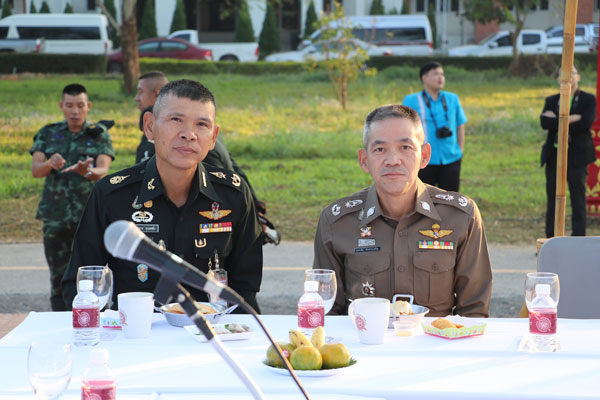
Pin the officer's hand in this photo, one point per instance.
(261, 207)
(56, 161)
(549, 113)
(82, 167)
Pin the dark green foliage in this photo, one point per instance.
(181, 67)
(112, 32)
(404, 7)
(32, 9)
(377, 8)
(6, 9)
(178, 22)
(148, 26)
(269, 36)
(68, 9)
(243, 25)
(311, 20)
(431, 17)
(44, 9)
(52, 63)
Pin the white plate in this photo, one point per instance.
(195, 332)
(311, 373)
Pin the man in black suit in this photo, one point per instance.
(580, 154)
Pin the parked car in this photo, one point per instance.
(318, 51)
(530, 41)
(584, 38)
(161, 48)
(221, 51)
(21, 45)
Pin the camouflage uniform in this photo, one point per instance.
(65, 195)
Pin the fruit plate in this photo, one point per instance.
(471, 328)
(310, 373)
(195, 332)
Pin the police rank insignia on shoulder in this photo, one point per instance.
(436, 232)
(115, 180)
(215, 213)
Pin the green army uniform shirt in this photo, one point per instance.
(438, 253)
(65, 194)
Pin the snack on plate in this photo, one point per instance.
(203, 308)
(401, 307)
(443, 323)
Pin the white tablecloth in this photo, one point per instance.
(171, 364)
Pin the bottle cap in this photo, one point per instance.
(86, 286)
(542, 289)
(99, 356)
(311, 286)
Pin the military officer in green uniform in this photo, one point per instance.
(71, 155)
(401, 236)
(195, 211)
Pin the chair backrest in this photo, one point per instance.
(576, 260)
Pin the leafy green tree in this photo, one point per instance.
(243, 25)
(32, 9)
(431, 18)
(511, 11)
(112, 32)
(268, 42)
(6, 11)
(148, 26)
(178, 22)
(44, 9)
(311, 20)
(404, 7)
(377, 8)
(68, 9)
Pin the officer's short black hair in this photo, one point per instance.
(153, 75)
(428, 67)
(184, 88)
(392, 111)
(74, 89)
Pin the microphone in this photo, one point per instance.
(123, 239)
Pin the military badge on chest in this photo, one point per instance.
(215, 214)
(368, 289)
(436, 233)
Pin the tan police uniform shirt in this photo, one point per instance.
(438, 253)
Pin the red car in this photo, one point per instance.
(161, 48)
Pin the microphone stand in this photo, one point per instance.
(165, 289)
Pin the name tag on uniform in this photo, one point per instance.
(436, 245)
(366, 249)
(366, 242)
(148, 228)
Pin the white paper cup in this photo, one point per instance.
(135, 313)
(370, 316)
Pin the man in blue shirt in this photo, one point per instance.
(444, 125)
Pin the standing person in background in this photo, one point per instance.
(444, 125)
(580, 154)
(71, 155)
(149, 85)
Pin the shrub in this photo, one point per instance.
(376, 8)
(44, 9)
(178, 22)
(112, 32)
(148, 25)
(52, 63)
(68, 9)
(32, 9)
(268, 41)
(311, 20)
(243, 25)
(6, 9)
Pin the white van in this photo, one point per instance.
(404, 34)
(64, 33)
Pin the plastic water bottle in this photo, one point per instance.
(86, 316)
(311, 308)
(98, 381)
(542, 320)
(218, 274)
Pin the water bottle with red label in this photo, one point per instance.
(311, 308)
(98, 381)
(86, 316)
(542, 320)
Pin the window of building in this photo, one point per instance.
(91, 4)
(544, 5)
(454, 5)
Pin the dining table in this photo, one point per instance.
(173, 363)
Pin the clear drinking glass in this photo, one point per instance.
(102, 277)
(49, 368)
(327, 285)
(535, 278)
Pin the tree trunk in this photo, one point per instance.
(131, 62)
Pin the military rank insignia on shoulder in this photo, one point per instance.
(122, 178)
(222, 176)
(346, 205)
(455, 199)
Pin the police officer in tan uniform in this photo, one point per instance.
(401, 236)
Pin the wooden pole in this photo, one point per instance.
(563, 116)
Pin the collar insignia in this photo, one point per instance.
(425, 206)
(219, 175)
(335, 210)
(235, 179)
(135, 204)
(151, 184)
(447, 197)
(117, 179)
(370, 211)
(215, 213)
(436, 232)
(462, 200)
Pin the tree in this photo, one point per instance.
(376, 8)
(44, 9)
(404, 7)
(311, 20)
(131, 62)
(344, 60)
(243, 25)
(32, 9)
(268, 42)
(6, 11)
(499, 11)
(148, 28)
(178, 22)
(431, 18)
(113, 32)
(68, 9)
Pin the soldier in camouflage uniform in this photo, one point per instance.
(71, 155)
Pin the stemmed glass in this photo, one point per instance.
(102, 277)
(327, 285)
(49, 368)
(536, 278)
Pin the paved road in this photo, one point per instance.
(24, 278)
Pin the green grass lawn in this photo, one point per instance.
(299, 148)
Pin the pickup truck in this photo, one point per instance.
(530, 41)
(22, 45)
(585, 37)
(221, 51)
